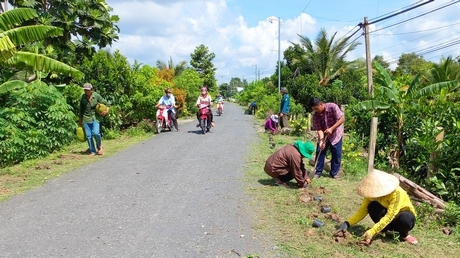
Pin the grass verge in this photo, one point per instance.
(287, 214)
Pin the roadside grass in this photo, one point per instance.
(288, 220)
(32, 173)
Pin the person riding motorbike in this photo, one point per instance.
(220, 100)
(204, 98)
(170, 102)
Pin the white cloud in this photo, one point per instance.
(159, 29)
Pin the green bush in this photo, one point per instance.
(35, 121)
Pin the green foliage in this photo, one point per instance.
(299, 126)
(201, 61)
(451, 214)
(147, 125)
(35, 121)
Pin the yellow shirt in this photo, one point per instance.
(394, 202)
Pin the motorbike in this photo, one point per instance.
(220, 108)
(204, 118)
(162, 122)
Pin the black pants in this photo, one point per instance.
(286, 178)
(173, 118)
(402, 223)
(210, 117)
(252, 109)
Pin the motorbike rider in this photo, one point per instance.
(170, 102)
(220, 100)
(204, 98)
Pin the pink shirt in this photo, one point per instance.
(330, 115)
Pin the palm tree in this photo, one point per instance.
(178, 69)
(326, 56)
(12, 36)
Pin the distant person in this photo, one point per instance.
(285, 108)
(286, 164)
(328, 123)
(90, 119)
(170, 102)
(252, 108)
(387, 204)
(205, 99)
(271, 124)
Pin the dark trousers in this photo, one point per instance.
(402, 223)
(336, 151)
(173, 118)
(288, 177)
(284, 121)
(253, 109)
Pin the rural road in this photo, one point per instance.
(177, 194)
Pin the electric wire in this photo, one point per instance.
(418, 16)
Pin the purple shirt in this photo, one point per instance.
(270, 124)
(322, 121)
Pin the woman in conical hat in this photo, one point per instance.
(388, 205)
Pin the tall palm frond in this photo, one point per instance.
(42, 63)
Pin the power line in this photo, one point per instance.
(400, 12)
(419, 31)
(420, 15)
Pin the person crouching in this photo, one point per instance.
(286, 164)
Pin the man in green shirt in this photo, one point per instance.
(90, 119)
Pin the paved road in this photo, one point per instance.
(174, 195)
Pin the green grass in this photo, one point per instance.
(281, 215)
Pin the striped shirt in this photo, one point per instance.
(325, 120)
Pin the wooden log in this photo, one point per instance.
(419, 192)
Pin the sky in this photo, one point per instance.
(245, 35)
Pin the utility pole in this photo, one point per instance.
(370, 88)
(279, 50)
(256, 73)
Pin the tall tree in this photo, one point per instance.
(326, 56)
(201, 61)
(86, 24)
(412, 64)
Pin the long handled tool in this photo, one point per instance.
(313, 170)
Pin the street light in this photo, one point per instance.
(279, 52)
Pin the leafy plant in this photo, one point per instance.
(35, 121)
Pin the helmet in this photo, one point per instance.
(218, 95)
(168, 90)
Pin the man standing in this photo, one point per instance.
(328, 122)
(284, 108)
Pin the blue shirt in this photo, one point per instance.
(285, 106)
(170, 102)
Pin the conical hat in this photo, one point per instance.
(377, 184)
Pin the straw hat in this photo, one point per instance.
(377, 184)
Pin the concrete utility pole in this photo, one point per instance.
(370, 88)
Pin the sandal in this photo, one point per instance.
(280, 183)
(411, 240)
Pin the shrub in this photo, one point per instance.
(35, 121)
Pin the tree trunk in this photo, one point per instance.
(420, 193)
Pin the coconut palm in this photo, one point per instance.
(12, 36)
(395, 98)
(177, 69)
(326, 56)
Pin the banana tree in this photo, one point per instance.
(13, 36)
(396, 99)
